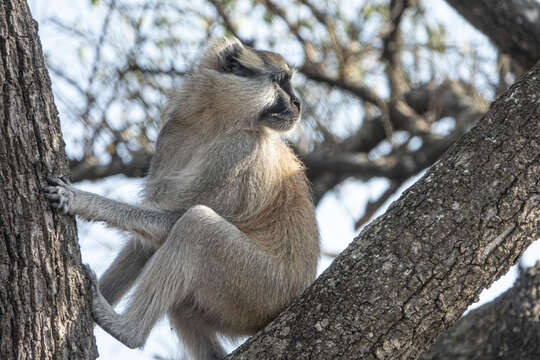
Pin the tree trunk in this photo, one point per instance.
(44, 310)
(512, 25)
(507, 328)
(413, 271)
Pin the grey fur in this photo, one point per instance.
(225, 237)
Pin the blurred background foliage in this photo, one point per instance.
(386, 89)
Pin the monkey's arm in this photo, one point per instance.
(148, 223)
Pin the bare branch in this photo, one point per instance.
(362, 92)
(137, 167)
(224, 17)
(392, 47)
(373, 206)
(170, 71)
(512, 25)
(507, 328)
(397, 166)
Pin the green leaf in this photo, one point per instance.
(436, 38)
(161, 21)
(268, 17)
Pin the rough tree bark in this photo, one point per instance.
(44, 310)
(412, 272)
(507, 328)
(512, 25)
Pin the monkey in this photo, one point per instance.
(225, 236)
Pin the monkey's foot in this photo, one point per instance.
(100, 306)
(59, 192)
(105, 316)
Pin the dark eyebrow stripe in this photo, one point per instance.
(247, 71)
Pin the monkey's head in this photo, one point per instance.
(247, 87)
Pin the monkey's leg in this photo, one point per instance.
(207, 258)
(150, 224)
(123, 271)
(151, 299)
(199, 339)
(159, 287)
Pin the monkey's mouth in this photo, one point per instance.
(279, 107)
(280, 115)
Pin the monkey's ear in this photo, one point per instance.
(228, 58)
(220, 51)
(238, 60)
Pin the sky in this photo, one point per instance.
(335, 213)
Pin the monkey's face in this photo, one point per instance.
(252, 86)
(284, 112)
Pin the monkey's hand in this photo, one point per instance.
(60, 193)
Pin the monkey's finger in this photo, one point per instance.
(53, 180)
(56, 205)
(60, 205)
(49, 189)
(52, 196)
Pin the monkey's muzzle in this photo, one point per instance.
(282, 114)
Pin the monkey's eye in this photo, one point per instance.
(233, 66)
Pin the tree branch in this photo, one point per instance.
(451, 98)
(373, 206)
(359, 91)
(392, 47)
(227, 23)
(399, 166)
(507, 328)
(137, 167)
(413, 271)
(512, 25)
